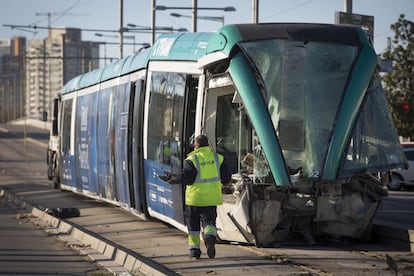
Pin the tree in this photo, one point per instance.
(399, 84)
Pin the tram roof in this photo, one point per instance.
(193, 46)
(174, 46)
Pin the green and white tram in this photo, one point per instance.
(297, 110)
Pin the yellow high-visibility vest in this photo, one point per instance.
(206, 189)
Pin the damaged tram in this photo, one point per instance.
(297, 111)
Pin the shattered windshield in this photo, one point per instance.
(304, 82)
(373, 144)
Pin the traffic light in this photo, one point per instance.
(407, 113)
(405, 106)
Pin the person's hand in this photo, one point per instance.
(170, 178)
(164, 177)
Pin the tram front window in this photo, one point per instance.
(303, 84)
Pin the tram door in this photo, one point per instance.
(137, 192)
(171, 98)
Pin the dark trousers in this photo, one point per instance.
(194, 215)
(206, 216)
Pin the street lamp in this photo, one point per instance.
(102, 35)
(194, 8)
(125, 36)
(152, 29)
(133, 40)
(139, 28)
(143, 46)
(226, 9)
(211, 18)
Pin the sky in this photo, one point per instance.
(105, 15)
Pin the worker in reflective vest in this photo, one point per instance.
(203, 172)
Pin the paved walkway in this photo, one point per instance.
(28, 250)
(124, 243)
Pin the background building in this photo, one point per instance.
(53, 61)
(12, 77)
(33, 73)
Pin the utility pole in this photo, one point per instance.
(195, 8)
(348, 6)
(152, 21)
(121, 29)
(44, 82)
(255, 11)
(46, 68)
(49, 20)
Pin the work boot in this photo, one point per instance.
(210, 241)
(195, 254)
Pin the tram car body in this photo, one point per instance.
(297, 111)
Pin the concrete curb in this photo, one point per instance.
(113, 257)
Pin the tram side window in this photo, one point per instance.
(166, 113)
(66, 120)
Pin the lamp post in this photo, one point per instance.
(133, 39)
(104, 43)
(255, 11)
(194, 9)
(226, 9)
(153, 5)
(121, 29)
(102, 35)
(124, 36)
(211, 18)
(143, 29)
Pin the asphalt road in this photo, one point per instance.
(23, 172)
(398, 209)
(28, 250)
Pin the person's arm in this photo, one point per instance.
(225, 173)
(189, 174)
